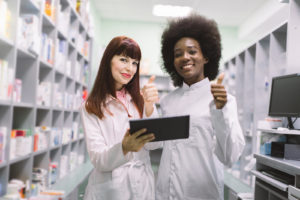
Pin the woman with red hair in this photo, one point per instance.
(122, 168)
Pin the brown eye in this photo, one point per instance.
(176, 55)
(192, 52)
(123, 60)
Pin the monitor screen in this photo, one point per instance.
(285, 96)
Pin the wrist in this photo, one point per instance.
(149, 108)
(125, 151)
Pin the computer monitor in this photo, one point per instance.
(285, 97)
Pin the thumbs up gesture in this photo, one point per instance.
(150, 95)
(219, 92)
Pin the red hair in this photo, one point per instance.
(104, 84)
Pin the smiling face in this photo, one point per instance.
(123, 69)
(189, 60)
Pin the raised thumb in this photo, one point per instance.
(151, 79)
(220, 78)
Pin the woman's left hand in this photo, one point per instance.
(150, 95)
(219, 92)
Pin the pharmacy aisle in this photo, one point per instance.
(45, 61)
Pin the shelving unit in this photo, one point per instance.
(275, 131)
(32, 69)
(268, 187)
(249, 79)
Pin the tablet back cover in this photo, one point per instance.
(164, 128)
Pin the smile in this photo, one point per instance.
(187, 67)
(126, 75)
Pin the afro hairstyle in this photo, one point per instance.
(204, 31)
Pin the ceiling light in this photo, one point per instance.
(171, 11)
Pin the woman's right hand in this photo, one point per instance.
(132, 142)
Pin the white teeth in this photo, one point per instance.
(186, 66)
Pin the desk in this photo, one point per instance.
(70, 182)
(234, 189)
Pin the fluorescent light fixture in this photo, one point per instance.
(171, 11)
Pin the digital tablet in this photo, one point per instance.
(164, 128)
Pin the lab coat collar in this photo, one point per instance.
(194, 86)
(111, 98)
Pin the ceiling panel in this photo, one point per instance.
(225, 12)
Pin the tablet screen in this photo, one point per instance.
(164, 128)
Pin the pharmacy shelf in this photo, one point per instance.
(6, 42)
(249, 74)
(268, 192)
(3, 164)
(40, 152)
(23, 105)
(289, 166)
(30, 6)
(284, 132)
(33, 66)
(45, 65)
(19, 159)
(71, 181)
(23, 53)
(270, 186)
(47, 21)
(275, 183)
(5, 102)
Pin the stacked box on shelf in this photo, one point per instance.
(3, 136)
(63, 15)
(28, 33)
(6, 80)
(61, 54)
(5, 20)
(5, 124)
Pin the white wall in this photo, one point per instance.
(96, 34)
(234, 39)
(267, 18)
(146, 34)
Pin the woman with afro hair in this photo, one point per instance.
(193, 168)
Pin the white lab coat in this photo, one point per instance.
(192, 168)
(116, 176)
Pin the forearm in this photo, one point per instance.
(150, 111)
(230, 139)
(109, 158)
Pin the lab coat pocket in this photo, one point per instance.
(201, 132)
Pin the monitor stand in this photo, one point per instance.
(291, 126)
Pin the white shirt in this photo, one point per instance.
(192, 168)
(116, 176)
